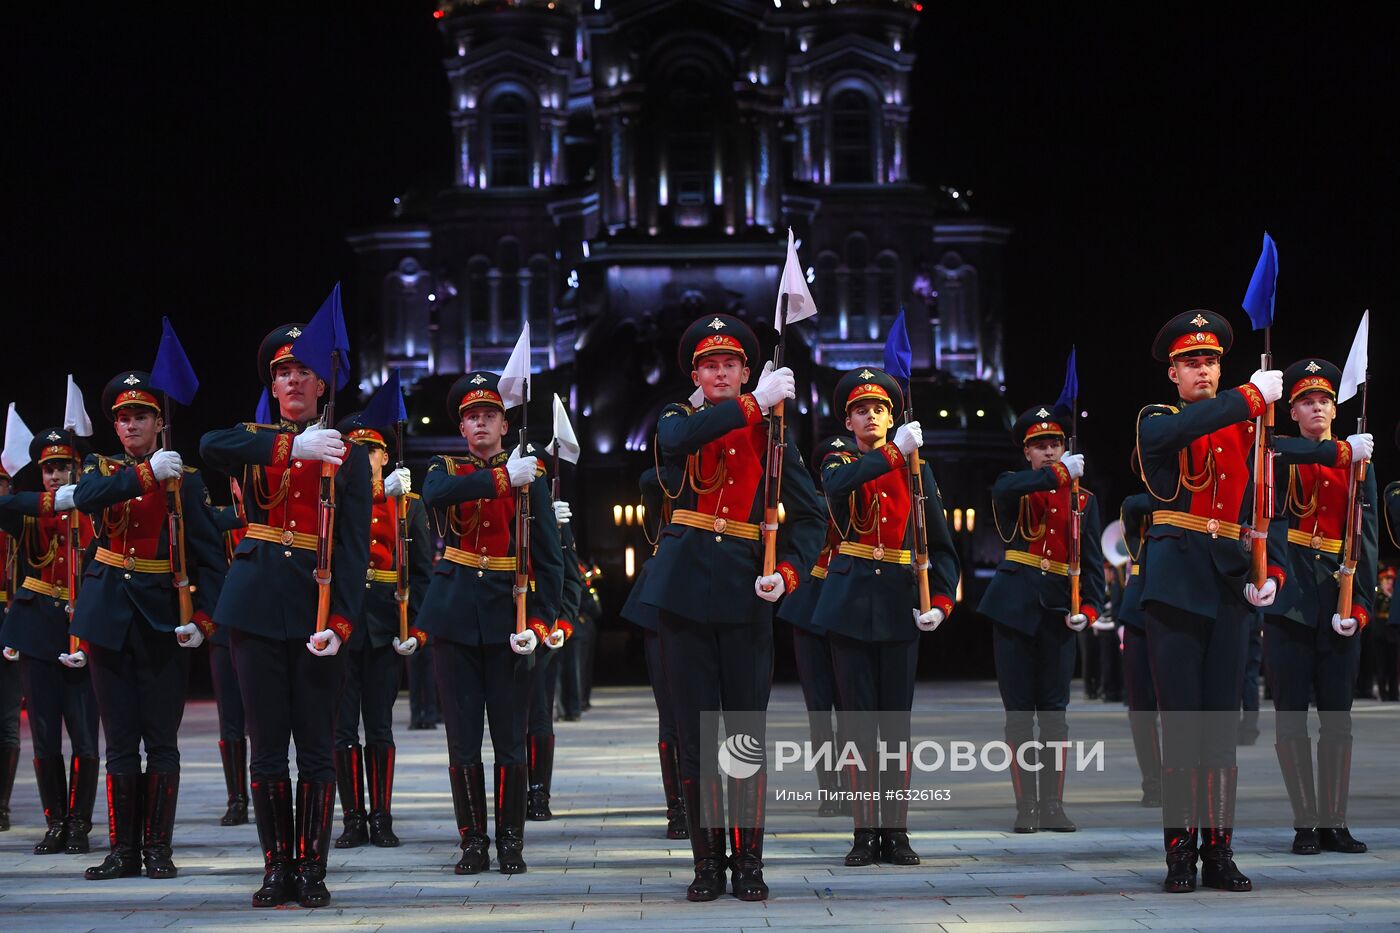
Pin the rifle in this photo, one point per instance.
(175, 519)
(325, 516)
(73, 545)
(401, 542)
(1263, 477)
(1076, 519)
(1351, 541)
(522, 521)
(917, 499)
(777, 443)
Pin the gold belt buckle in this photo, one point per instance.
(720, 525)
(483, 561)
(879, 552)
(1213, 527)
(1044, 563)
(1316, 542)
(129, 563)
(287, 538)
(369, 573)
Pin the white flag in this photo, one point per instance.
(75, 417)
(697, 399)
(794, 285)
(515, 378)
(18, 437)
(1354, 372)
(565, 443)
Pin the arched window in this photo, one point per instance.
(509, 141)
(852, 138)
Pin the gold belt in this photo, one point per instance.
(888, 555)
(1044, 564)
(479, 561)
(1316, 542)
(1214, 527)
(113, 559)
(51, 590)
(286, 538)
(382, 576)
(818, 573)
(720, 526)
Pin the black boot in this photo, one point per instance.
(162, 791)
(124, 814)
(1179, 793)
(828, 790)
(380, 771)
(1147, 746)
(539, 751)
(272, 809)
(1334, 771)
(235, 758)
(469, 805)
(1218, 868)
(1023, 784)
(82, 794)
(746, 808)
(1295, 761)
(350, 776)
(677, 825)
(511, 786)
(894, 816)
(315, 815)
(705, 807)
(865, 815)
(9, 763)
(1052, 793)
(53, 796)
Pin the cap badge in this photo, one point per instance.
(717, 324)
(54, 436)
(132, 380)
(1312, 366)
(1200, 320)
(294, 333)
(866, 374)
(1042, 414)
(478, 379)
(838, 443)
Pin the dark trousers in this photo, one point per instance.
(875, 677)
(1306, 662)
(1110, 660)
(1249, 686)
(422, 687)
(715, 667)
(660, 689)
(227, 699)
(288, 693)
(1034, 673)
(11, 692)
(814, 670)
(1197, 667)
(59, 697)
(542, 680)
(1388, 671)
(587, 636)
(570, 691)
(476, 684)
(1138, 689)
(140, 693)
(372, 677)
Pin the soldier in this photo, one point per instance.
(1197, 602)
(707, 582)
(482, 664)
(812, 652)
(130, 616)
(1141, 695)
(1028, 601)
(870, 588)
(289, 674)
(1310, 650)
(233, 737)
(10, 688)
(373, 669)
(57, 687)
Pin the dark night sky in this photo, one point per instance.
(207, 165)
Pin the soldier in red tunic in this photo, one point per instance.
(10, 689)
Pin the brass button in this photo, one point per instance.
(877, 571)
(287, 539)
(286, 553)
(138, 498)
(725, 510)
(297, 464)
(720, 525)
(480, 574)
(1220, 450)
(1327, 482)
(1045, 563)
(731, 482)
(731, 451)
(132, 551)
(126, 576)
(1222, 475)
(719, 537)
(374, 521)
(879, 552)
(292, 523)
(368, 585)
(135, 524)
(1213, 526)
(296, 494)
(1053, 511)
(485, 524)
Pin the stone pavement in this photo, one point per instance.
(604, 863)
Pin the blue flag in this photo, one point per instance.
(172, 372)
(386, 407)
(1069, 395)
(1259, 297)
(323, 335)
(899, 355)
(264, 413)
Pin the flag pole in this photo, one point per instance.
(175, 522)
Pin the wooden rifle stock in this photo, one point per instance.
(916, 498)
(773, 476)
(401, 542)
(325, 515)
(1351, 541)
(522, 545)
(175, 530)
(1263, 483)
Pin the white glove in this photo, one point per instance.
(1362, 446)
(166, 464)
(769, 588)
(63, 498)
(1269, 382)
(323, 644)
(521, 469)
(1104, 624)
(189, 635)
(319, 444)
(562, 512)
(1077, 621)
(1073, 464)
(909, 437)
(929, 621)
(774, 385)
(406, 648)
(11, 654)
(555, 639)
(1261, 596)
(75, 660)
(523, 643)
(1346, 627)
(398, 483)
